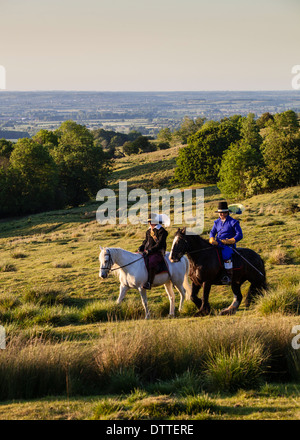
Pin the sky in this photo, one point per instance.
(153, 45)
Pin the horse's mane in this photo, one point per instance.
(113, 250)
(197, 239)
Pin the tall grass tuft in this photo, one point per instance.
(7, 267)
(240, 367)
(45, 296)
(180, 358)
(279, 256)
(284, 299)
(39, 368)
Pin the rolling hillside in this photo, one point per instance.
(52, 298)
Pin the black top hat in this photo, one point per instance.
(222, 207)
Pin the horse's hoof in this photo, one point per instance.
(228, 311)
(202, 312)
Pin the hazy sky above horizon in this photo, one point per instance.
(157, 45)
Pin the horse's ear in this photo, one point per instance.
(101, 248)
(183, 230)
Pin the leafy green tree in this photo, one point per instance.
(188, 127)
(250, 131)
(47, 138)
(200, 160)
(144, 145)
(11, 192)
(83, 166)
(281, 150)
(39, 174)
(241, 163)
(163, 145)
(6, 148)
(130, 148)
(164, 135)
(264, 119)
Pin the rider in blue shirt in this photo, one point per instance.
(225, 232)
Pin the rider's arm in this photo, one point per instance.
(238, 231)
(161, 242)
(142, 247)
(214, 231)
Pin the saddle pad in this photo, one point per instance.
(158, 262)
(237, 262)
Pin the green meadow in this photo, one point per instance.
(72, 353)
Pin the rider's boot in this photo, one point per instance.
(227, 279)
(151, 275)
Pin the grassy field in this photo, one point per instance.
(72, 353)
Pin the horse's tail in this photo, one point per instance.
(258, 286)
(186, 284)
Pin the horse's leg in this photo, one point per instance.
(205, 309)
(253, 292)
(143, 294)
(232, 309)
(170, 292)
(123, 290)
(182, 293)
(194, 296)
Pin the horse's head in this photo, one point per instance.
(106, 262)
(179, 246)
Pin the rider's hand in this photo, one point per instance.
(228, 241)
(213, 241)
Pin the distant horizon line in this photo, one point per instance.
(146, 91)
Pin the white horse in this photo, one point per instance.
(132, 272)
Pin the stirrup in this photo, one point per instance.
(147, 286)
(226, 280)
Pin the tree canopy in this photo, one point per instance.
(52, 170)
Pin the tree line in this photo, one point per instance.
(243, 155)
(121, 144)
(54, 169)
(66, 167)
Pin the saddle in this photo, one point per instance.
(237, 262)
(156, 262)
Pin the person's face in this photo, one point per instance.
(223, 215)
(152, 225)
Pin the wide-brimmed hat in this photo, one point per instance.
(222, 207)
(157, 219)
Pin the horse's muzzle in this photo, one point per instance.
(103, 275)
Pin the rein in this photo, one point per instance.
(204, 249)
(196, 250)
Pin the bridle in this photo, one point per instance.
(182, 249)
(110, 261)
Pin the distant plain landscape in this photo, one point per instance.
(146, 112)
